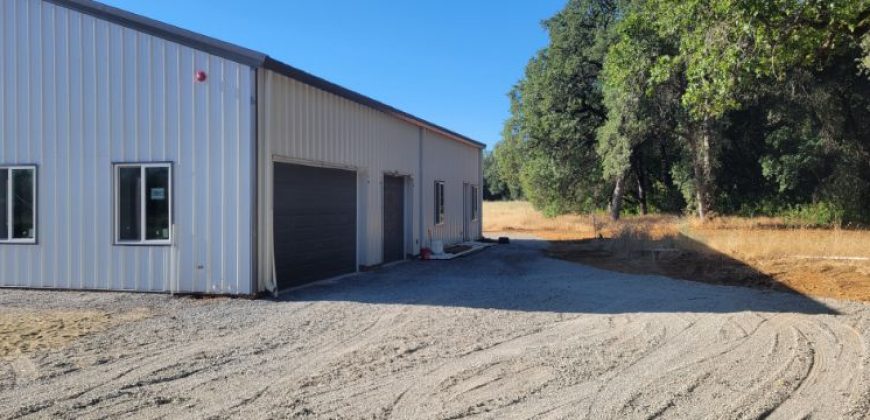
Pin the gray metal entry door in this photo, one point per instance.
(314, 213)
(394, 218)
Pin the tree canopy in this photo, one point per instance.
(706, 106)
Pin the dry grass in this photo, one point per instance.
(750, 238)
(757, 251)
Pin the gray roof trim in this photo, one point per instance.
(164, 30)
(245, 56)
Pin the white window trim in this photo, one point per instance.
(116, 172)
(9, 200)
(439, 210)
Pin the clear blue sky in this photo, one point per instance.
(451, 62)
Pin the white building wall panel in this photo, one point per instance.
(79, 93)
(457, 165)
(299, 123)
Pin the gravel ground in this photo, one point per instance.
(506, 333)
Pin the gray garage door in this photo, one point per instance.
(394, 218)
(315, 224)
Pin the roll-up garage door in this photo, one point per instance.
(314, 213)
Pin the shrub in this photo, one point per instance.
(821, 214)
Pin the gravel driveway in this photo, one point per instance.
(506, 333)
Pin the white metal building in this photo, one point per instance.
(135, 155)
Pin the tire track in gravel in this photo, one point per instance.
(503, 334)
(667, 367)
(513, 352)
(143, 368)
(835, 351)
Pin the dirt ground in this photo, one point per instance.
(26, 331)
(840, 279)
(755, 252)
(505, 333)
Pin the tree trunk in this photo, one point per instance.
(703, 168)
(641, 195)
(640, 175)
(616, 201)
(667, 179)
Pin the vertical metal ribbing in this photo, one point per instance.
(81, 149)
(422, 222)
(255, 192)
(3, 110)
(315, 127)
(222, 191)
(68, 163)
(115, 90)
(94, 183)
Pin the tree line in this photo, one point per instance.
(747, 107)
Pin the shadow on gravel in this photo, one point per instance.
(521, 277)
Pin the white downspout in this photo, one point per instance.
(268, 177)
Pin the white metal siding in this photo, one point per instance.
(456, 164)
(78, 94)
(300, 123)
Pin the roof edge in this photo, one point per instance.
(164, 30)
(323, 84)
(248, 57)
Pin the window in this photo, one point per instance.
(474, 203)
(18, 204)
(439, 202)
(143, 203)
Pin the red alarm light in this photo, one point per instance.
(201, 76)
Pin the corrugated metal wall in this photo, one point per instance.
(299, 123)
(302, 124)
(77, 95)
(455, 164)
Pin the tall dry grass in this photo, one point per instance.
(743, 238)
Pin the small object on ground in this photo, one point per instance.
(437, 247)
(504, 240)
(425, 254)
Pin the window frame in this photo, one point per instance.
(9, 240)
(475, 202)
(116, 197)
(440, 203)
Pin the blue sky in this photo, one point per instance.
(451, 62)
